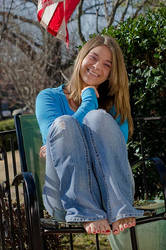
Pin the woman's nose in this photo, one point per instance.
(97, 65)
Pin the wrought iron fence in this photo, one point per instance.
(11, 223)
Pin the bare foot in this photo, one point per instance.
(97, 227)
(119, 225)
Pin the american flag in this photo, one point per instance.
(54, 15)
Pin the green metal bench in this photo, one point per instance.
(32, 177)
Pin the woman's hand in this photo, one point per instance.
(93, 87)
(42, 152)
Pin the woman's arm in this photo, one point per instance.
(89, 102)
(49, 106)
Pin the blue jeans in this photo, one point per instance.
(88, 176)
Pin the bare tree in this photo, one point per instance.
(110, 12)
(31, 59)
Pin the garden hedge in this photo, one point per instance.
(6, 125)
(143, 41)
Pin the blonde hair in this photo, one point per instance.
(114, 91)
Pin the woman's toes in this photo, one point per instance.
(105, 227)
(116, 231)
(102, 229)
(108, 230)
(121, 227)
(122, 224)
(131, 222)
(125, 225)
(95, 227)
(87, 227)
(115, 228)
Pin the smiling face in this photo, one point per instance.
(96, 66)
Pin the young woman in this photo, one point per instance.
(84, 126)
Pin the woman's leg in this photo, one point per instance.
(69, 171)
(111, 168)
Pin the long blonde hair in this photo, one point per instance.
(114, 91)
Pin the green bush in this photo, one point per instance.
(7, 125)
(143, 41)
(144, 46)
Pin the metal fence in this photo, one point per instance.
(10, 212)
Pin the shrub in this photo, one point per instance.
(144, 46)
(7, 125)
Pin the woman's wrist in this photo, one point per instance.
(89, 96)
(91, 87)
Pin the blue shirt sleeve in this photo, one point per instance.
(47, 110)
(49, 106)
(89, 102)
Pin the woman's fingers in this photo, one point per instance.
(42, 152)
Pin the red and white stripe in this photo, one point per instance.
(54, 15)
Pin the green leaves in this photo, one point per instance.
(144, 46)
(143, 42)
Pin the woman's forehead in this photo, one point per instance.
(102, 51)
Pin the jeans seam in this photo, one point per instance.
(89, 162)
(99, 163)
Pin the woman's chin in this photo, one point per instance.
(90, 84)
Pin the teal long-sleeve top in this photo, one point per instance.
(52, 103)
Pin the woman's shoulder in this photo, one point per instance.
(51, 92)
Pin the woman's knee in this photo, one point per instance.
(63, 122)
(99, 117)
(65, 125)
(102, 123)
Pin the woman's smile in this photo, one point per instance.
(94, 74)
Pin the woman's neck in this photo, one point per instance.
(71, 103)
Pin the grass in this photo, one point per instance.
(86, 242)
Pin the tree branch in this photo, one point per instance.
(79, 21)
(139, 8)
(32, 1)
(21, 44)
(96, 5)
(113, 12)
(125, 11)
(21, 18)
(5, 22)
(106, 11)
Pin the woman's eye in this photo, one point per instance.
(107, 65)
(92, 57)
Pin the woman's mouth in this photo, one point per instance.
(92, 73)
